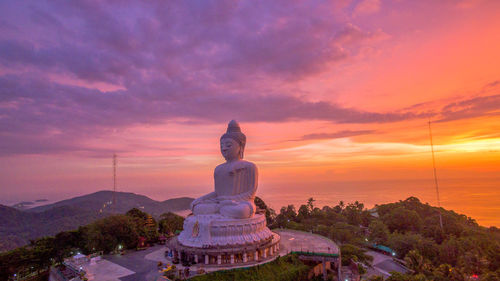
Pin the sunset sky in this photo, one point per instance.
(334, 97)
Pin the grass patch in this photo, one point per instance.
(284, 268)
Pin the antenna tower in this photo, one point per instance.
(114, 184)
(435, 177)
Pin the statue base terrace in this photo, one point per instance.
(227, 256)
(214, 230)
(215, 240)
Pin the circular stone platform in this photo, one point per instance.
(286, 240)
(248, 254)
(301, 241)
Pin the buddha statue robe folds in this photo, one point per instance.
(235, 187)
(227, 215)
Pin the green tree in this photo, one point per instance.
(169, 223)
(472, 262)
(136, 213)
(341, 205)
(42, 251)
(286, 215)
(396, 276)
(449, 251)
(445, 272)
(379, 233)
(310, 204)
(323, 230)
(342, 232)
(490, 276)
(416, 262)
(332, 216)
(303, 213)
(15, 261)
(106, 234)
(270, 213)
(432, 229)
(146, 226)
(402, 243)
(493, 255)
(353, 213)
(64, 242)
(357, 254)
(402, 220)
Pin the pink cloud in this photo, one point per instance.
(365, 7)
(203, 62)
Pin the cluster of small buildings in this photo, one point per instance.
(73, 268)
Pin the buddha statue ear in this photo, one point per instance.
(242, 149)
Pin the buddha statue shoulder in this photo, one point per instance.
(235, 180)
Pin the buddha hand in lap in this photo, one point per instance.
(235, 180)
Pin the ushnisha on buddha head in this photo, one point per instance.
(232, 143)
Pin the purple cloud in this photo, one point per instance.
(129, 43)
(471, 108)
(50, 115)
(336, 135)
(204, 61)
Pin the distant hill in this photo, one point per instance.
(17, 227)
(125, 201)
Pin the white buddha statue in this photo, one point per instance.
(226, 217)
(235, 180)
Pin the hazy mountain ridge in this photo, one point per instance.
(17, 227)
(25, 205)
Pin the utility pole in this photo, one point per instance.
(435, 177)
(114, 184)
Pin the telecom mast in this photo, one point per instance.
(114, 184)
(435, 176)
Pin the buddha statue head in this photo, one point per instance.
(232, 143)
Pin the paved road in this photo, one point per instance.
(384, 264)
(134, 260)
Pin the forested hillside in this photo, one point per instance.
(458, 251)
(18, 227)
(112, 233)
(461, 250)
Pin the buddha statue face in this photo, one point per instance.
(230, 149)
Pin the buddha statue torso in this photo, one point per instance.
(234, 180)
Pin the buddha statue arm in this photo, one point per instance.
(210, 197)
